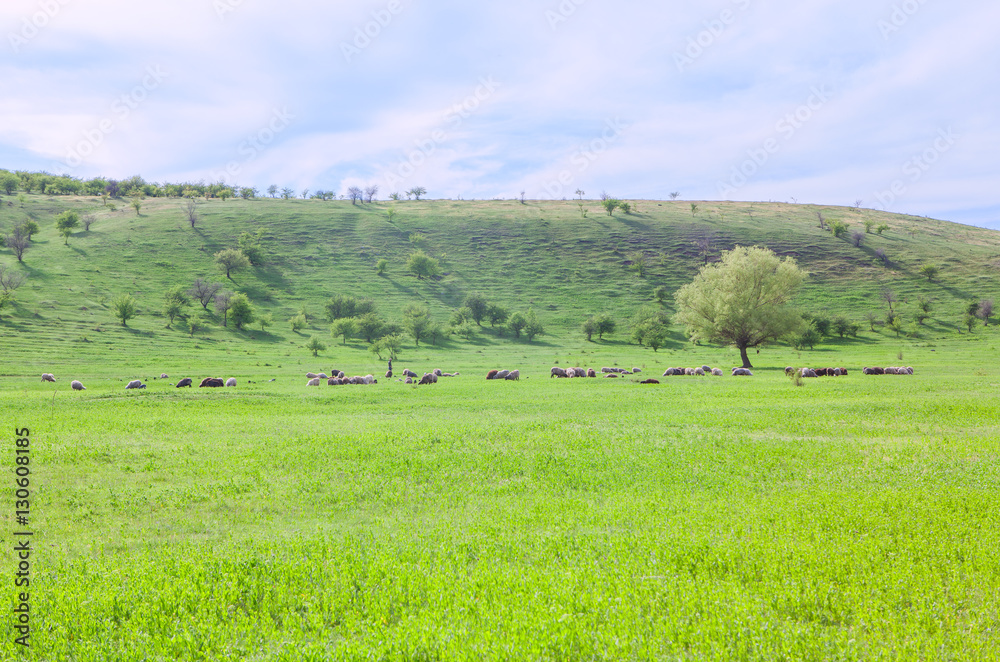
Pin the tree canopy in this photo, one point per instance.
(742, 300)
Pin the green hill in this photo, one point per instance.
(546, 256)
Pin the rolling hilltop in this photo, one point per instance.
(547, 256)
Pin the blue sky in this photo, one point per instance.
(892, 103)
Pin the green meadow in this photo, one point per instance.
(702, 518)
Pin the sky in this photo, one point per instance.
(891, 103)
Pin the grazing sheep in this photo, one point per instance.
(591, 372)
(500, 375)
(428, 378)
(449, 374)
(322, 375)
(559, 372)
(212, 382)
(578, 372)
(369, 379)
(409, 380)
(313, 382)
(231, 381)
(742, 372)
(836, 372)
(606, 370)
(184, 382)
(636, 371)
(164, 376)
(77, 386)
(48, 377)
(689, 371)
(135, 383)
(808, 372)
(514, 376)
(717, 372)
(491, 374)
(843, 371)
(334, 381)
(311, 375)
(650, 381)
(388, 374)
(437, 371)
(409, 373)
(706, 369)
(612, 375)
(789, 370)
(699, 372)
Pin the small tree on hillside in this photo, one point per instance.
(929, 270)
(610, 205)
(241, 310)
(66, 222)
(496, 314)
(589, 328)
(422, 265)
(231, 260)
(516, 324)
(31, 228)
(174, 302)
(124, 306)
(191, 210)
(297, 322)
(265, 320)
(985, 310)
(417, 321)
(532, 326)
(416, 192)
(606, 325)
(204, 291)
(478, 307)
(370, 193)
(10, 280)
(249, 244)
(272, 190)
(890, 298)
(344, 327)
(355, 194)
(315, 345)
(223, 302)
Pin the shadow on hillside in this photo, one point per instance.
(138, 332)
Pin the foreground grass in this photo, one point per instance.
(724, 519)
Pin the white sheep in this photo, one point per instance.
(231, 381)
(77, 386)
(313, 382)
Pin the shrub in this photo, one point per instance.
(516, 324)
(929, 270)
(381, 266)
(315, 345)
(125, 307)
(241, 310)
(422, 265)
(297, 322)
(857, 238)
(809, 338)
(881, 227)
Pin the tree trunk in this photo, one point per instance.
(746, 359)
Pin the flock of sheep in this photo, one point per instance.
(570, 373)
(338, 378)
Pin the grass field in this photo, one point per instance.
(850, 518)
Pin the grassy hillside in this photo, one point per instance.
(542, 255)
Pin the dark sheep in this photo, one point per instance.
(650, 381)
(184, 382)
(557, 372)
(428, 378)
(334, 381)
(490, 375)
(211, 382)
(591, 372)
(409, 373)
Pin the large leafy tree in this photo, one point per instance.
(742, 300)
